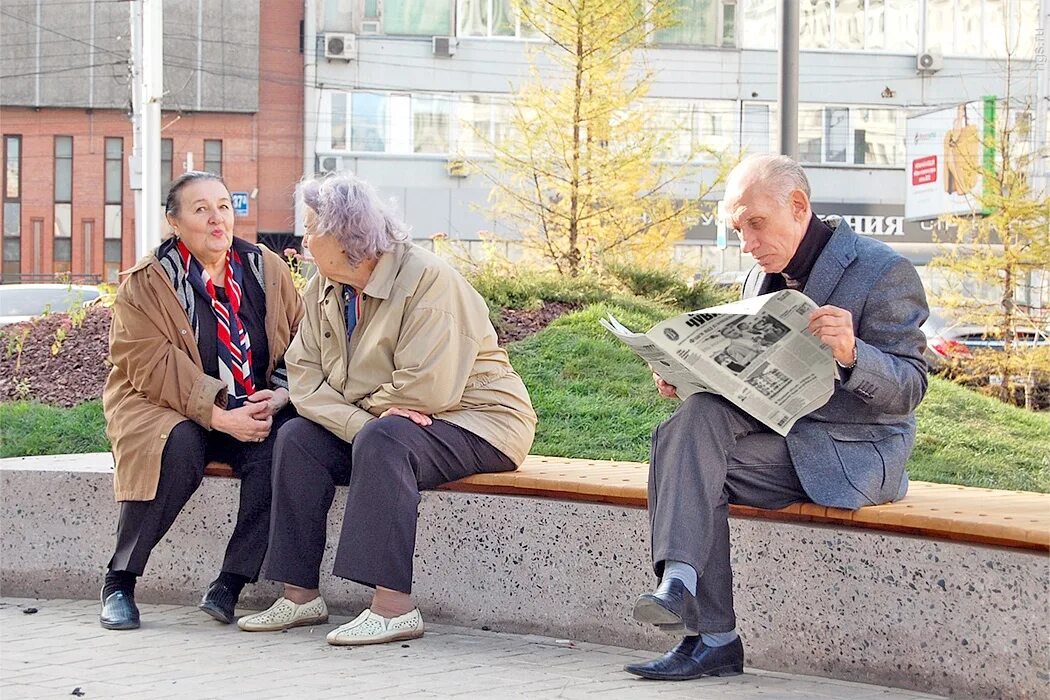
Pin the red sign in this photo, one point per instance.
(924, 170)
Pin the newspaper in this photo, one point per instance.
(755, 352)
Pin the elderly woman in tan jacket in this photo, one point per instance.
(400, 386)
(199, 331)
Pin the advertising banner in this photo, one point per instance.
(946, 157)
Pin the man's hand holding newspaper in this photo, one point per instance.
(758, 353)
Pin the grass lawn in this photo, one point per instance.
(596, 400)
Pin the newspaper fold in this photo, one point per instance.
(755, 352)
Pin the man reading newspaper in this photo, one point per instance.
(849, 452)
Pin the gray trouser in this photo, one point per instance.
(187, 452)
(387, 465)
(704, 457)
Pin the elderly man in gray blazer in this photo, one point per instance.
(847, 454)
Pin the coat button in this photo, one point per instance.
(327, 334)
(163, 436)
(183, 331)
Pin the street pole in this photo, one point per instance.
(787, 89)
(147, 63)
(310, 116)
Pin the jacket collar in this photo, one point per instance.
(839, 252)
(381, 283)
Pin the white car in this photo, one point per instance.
(21, 302)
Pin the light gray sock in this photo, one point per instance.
(717, 639)
(681, 571)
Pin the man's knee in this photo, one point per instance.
(382, 437)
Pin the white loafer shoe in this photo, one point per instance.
(369, 628)
(285, 614)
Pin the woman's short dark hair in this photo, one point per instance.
(171, 204)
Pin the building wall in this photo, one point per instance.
(233, 73)
(732, 80)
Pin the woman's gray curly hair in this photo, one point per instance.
(349, 208)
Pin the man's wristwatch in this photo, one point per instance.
(853, 362)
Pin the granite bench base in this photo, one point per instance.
(938, 616)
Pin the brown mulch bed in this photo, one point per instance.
(516, 324)
(78, 372)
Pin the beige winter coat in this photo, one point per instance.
(424, 342)
(157, 380)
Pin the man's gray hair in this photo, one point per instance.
(349, 208)
(779, 175)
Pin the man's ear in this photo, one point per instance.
(799, 205)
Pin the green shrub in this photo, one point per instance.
(669, 286)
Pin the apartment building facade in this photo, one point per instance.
(398, 87)
(233, 104)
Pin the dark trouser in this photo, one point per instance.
(188, 451)
(387, 465)
(707, 455)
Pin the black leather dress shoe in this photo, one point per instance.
(219, 602)
(119, 611)
(691, 659)
(671, 606)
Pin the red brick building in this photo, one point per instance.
(233, 104)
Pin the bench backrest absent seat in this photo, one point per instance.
(1017, 519)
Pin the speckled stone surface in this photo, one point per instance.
(897, 610)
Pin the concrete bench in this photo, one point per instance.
(945, 591)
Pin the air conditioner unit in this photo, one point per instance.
(929, 62)
(370, 26)
(329, 164)
(343, 46)
(457, 167)
(445, 46)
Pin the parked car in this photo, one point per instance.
(21, 302)
(947, 338)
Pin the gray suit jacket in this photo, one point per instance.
(852, 451)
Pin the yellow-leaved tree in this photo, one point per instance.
(580, 172)
(997, 275)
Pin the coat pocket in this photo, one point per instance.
(868, 455)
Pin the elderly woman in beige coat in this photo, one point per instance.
(400, 386)
(199, 331)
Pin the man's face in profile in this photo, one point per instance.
(770, 230)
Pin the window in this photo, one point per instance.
(112, 233)
(431, 123)
(63, 211)
(696, 24)
(982, 27)
(339, 121)
(842, 25)
(166, 170)
(64, 169)
(417, 17)
(338, 15)
(114, 170)
(368, 122)
(481, 120)
(11, 269)
(761, 27)
(850, 135)
(489, 18)
(213, 156)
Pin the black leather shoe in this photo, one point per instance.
(119, 611)
(671, 606)
(219, 602)
(691, 659)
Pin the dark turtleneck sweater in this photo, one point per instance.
(796, 273)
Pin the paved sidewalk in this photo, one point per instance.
(61, 652)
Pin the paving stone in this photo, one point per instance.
(180, 655)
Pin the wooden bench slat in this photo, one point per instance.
(945, 511)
